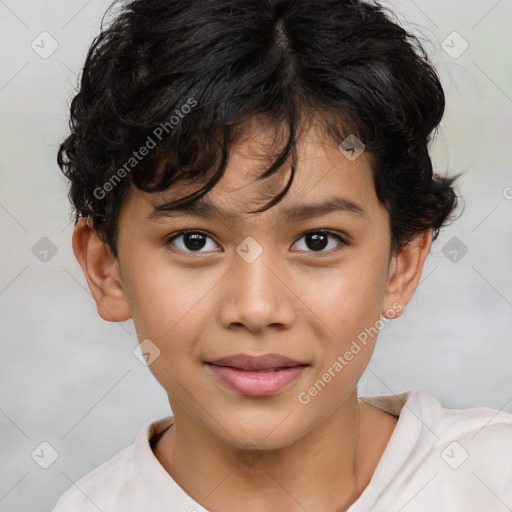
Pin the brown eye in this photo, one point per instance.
(191, 241)
(317, 241)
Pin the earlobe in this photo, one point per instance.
(101, 270)
(405, 272)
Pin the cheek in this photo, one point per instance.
(161, 295)
(349, 312)
(349, 298)
(168, 308)
(348, 301)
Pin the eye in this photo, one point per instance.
(193, 241)
(318, 240)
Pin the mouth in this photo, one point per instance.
(249, 363)
(269, 370)
(251, 376)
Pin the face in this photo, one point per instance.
(310, 288)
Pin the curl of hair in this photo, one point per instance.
(344, 61)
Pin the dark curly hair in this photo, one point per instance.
(182, 79)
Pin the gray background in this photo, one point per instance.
(71, 379)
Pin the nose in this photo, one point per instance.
(255, 297)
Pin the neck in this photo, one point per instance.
(320, 470)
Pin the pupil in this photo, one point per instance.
(319, 240)
(194, 240)
(316, 241)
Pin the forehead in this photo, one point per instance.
(325, 179)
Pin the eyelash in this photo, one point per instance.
(178, 234)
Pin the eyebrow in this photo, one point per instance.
(206, 209)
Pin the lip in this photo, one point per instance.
(253, 363)
(255, 383)
(243, 374)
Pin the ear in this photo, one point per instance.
(405, 272)
(102, 272)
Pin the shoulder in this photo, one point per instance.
(434, 423)
(437, 455)
(470, 449)
(97, 489)
(118, 484)
(476, 426)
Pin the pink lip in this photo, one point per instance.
(253, 363)
(241, 373)
(254, 383)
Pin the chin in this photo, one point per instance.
(271, 433)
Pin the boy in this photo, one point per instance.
(253, 188)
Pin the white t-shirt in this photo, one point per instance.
(437, 460)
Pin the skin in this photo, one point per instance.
(292, 300)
